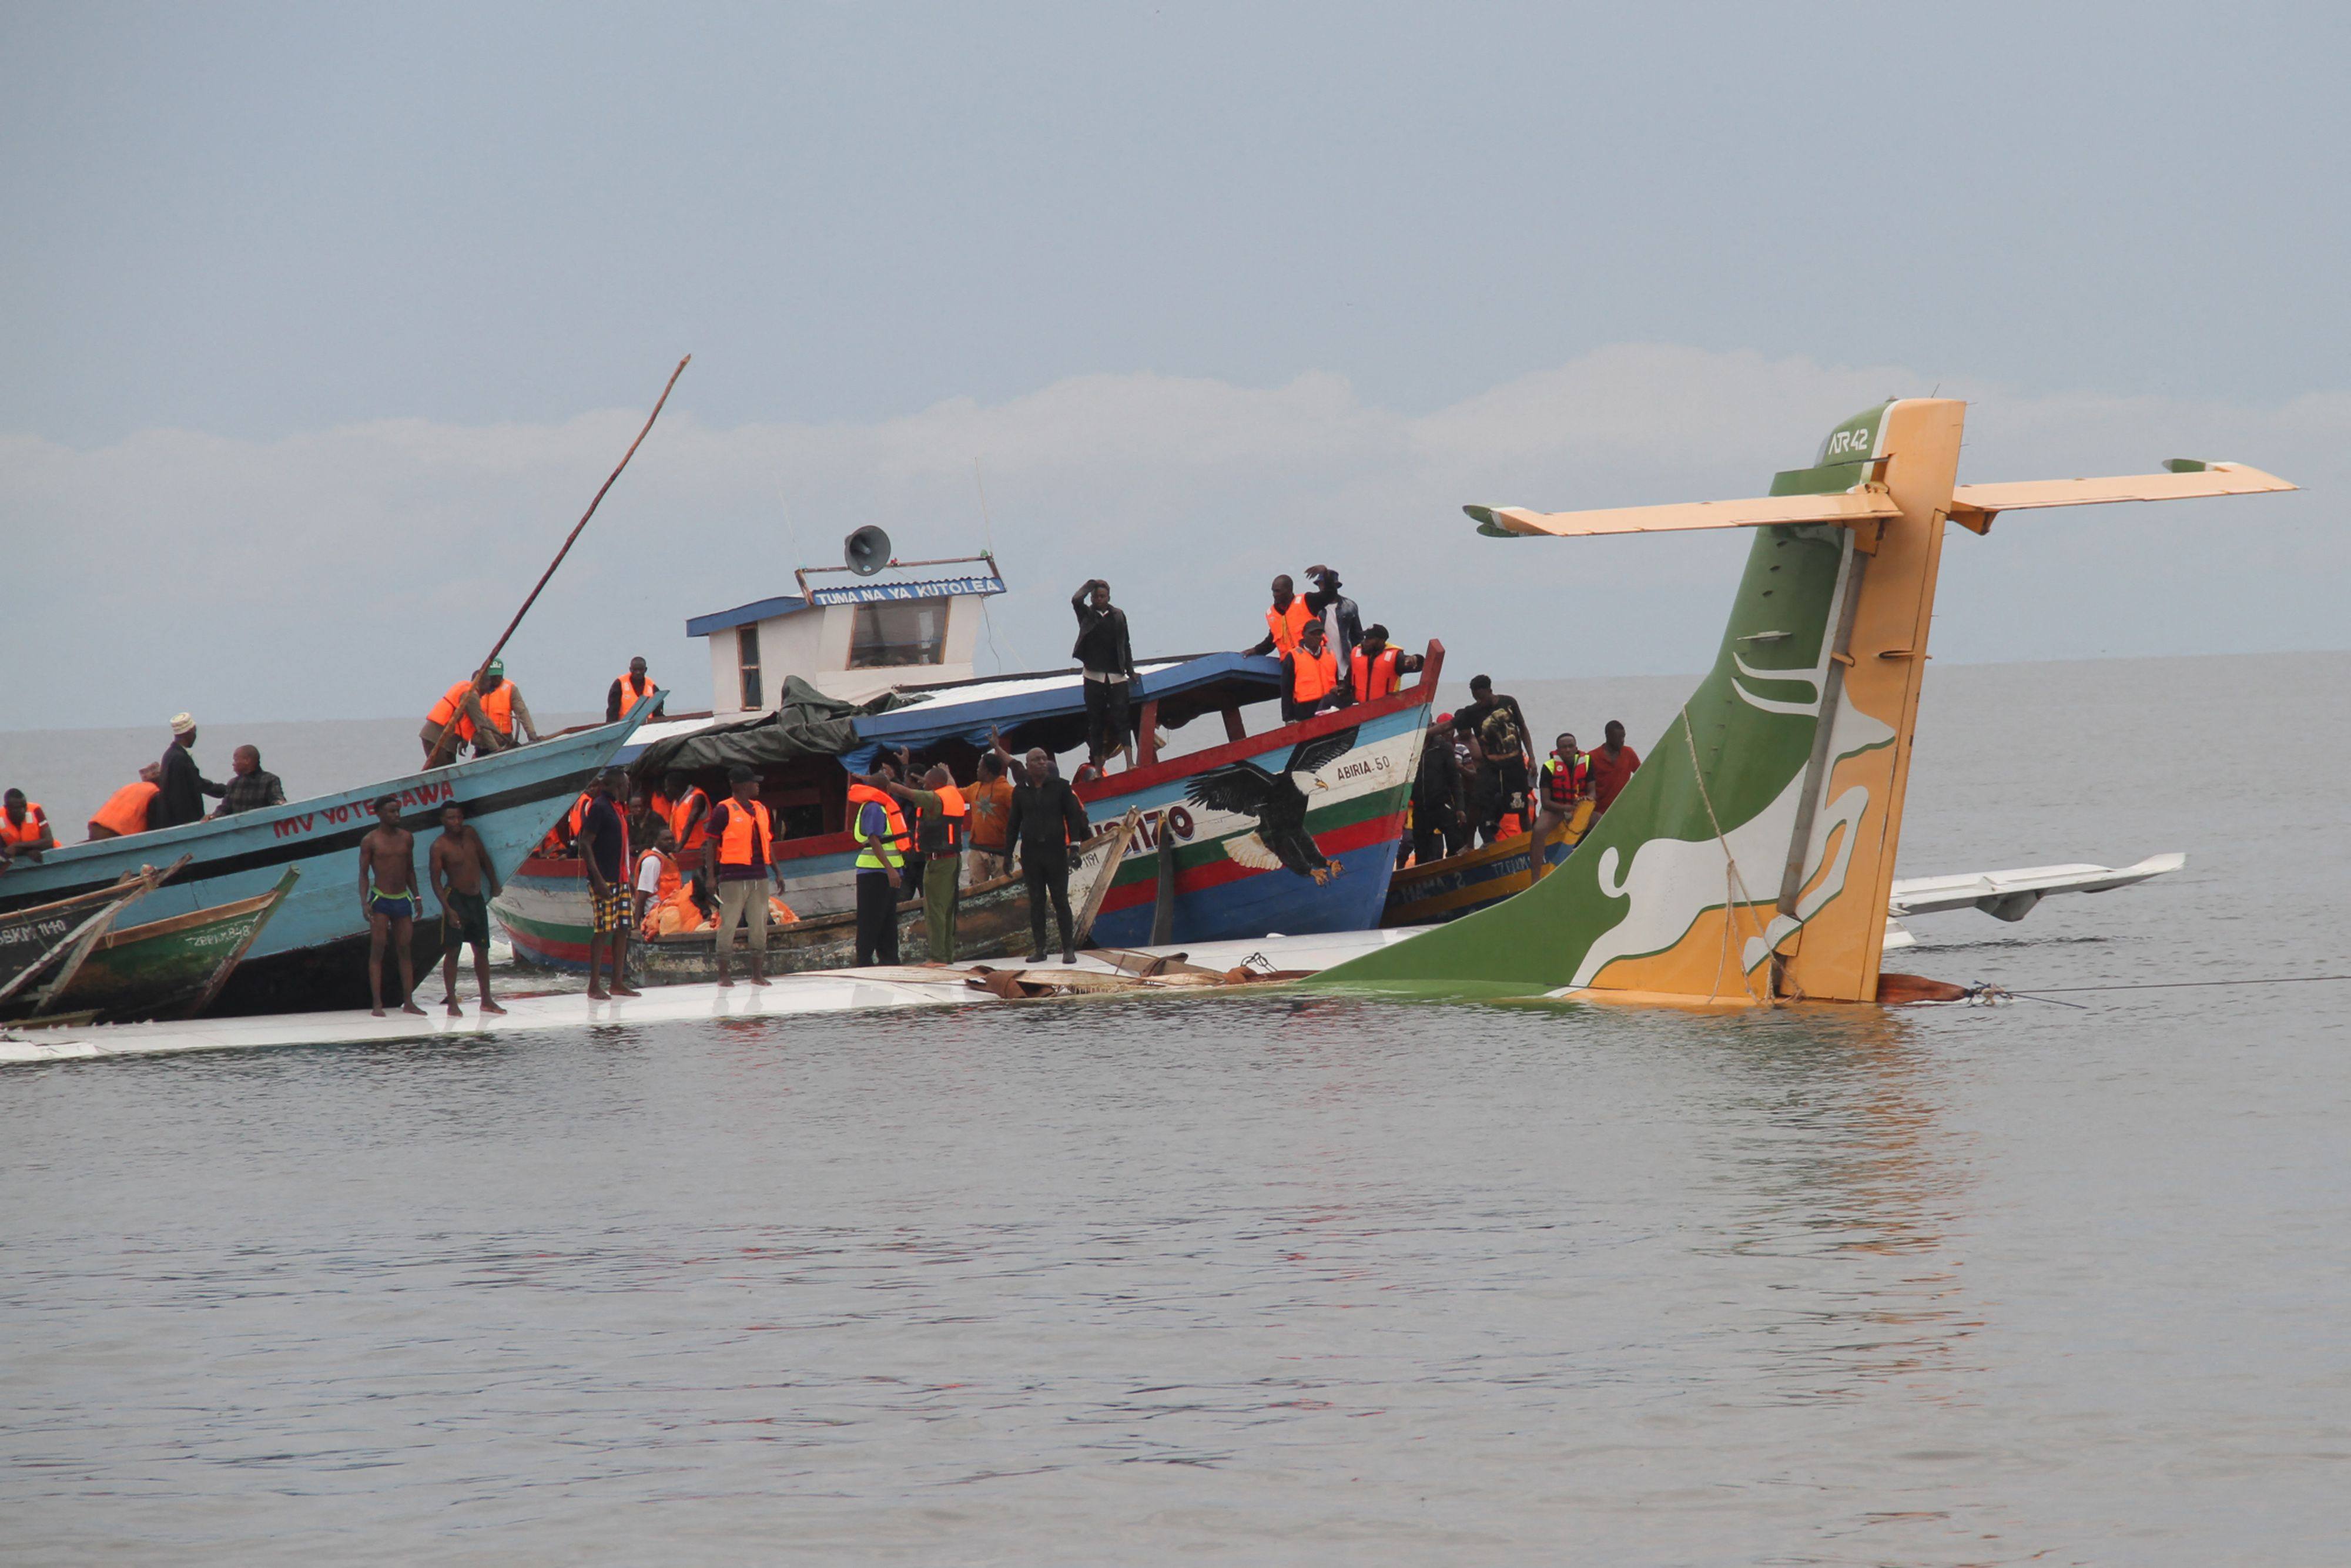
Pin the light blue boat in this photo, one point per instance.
(313, 952)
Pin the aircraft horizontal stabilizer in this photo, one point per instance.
(2010, 895)
(1975, 505)
(1847, 506)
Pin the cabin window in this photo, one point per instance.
(899, 632)
(747, 660)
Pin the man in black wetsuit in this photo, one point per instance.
(1107, 659)
(1044, 820)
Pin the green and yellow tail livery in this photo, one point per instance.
(1750, 858)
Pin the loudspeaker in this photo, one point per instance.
(867, 551)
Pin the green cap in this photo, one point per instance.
(497, 666)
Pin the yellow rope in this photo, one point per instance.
(1734, 885)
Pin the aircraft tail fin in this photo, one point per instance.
(1750, 858)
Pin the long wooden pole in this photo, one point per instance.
(449, 731)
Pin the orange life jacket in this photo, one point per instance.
(1562, 786)
(578, 815)
(1313, 676)
(673, 913)
(895, 836)
(1287, 624)
(125, 810)
(632, 694)
(735, 845)
(1374, 678)
(957, 813)
(681, 811)
(669, 878)
(34, 821)
(498, 707)
(449, 710)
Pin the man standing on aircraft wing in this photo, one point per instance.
(604, 856)
(464, 879)
(1045, 819)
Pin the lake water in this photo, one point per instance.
(1261, 1281)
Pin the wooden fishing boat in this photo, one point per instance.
(1456, 885)
(169, 969)
(43, 945)
(1292, 829)
(312, 951)
(991, 921)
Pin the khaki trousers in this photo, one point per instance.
(744, 901)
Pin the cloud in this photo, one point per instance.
(357, 571)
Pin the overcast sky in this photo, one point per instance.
(322, 323)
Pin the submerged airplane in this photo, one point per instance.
(1750, 862)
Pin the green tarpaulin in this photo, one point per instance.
(806, 722)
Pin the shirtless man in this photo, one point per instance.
(389, 853)
(459, 866)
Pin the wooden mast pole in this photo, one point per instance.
(442, 747)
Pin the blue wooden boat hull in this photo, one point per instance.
(313, 952)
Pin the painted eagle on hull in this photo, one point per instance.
(1277, 801)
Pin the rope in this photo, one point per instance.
(2176, 985)
(1984, 993)
(1734, 885)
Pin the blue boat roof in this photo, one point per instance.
(1044, 707)
(1185, 688)
(745, 615)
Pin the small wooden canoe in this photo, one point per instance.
(166, 969)
(44, 946)
(991, 919)
(1459, 884)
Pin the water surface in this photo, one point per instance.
(1264, 1281)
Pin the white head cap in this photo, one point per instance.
(181, 723)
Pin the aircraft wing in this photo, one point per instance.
(1844, 506)
(2010, 894)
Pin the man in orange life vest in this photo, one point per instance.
(689, 824)
(1310, 677)
(486, 711)
(743, 835)
(1566, 778)
(629, 690)
(1372, 670)
(942, 831)
(878, 827)
(1283, 623)
(132, 809)
(24, 829)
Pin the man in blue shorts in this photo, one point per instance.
(388, 857)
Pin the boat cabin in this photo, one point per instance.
(853, 639)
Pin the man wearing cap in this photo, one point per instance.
(503, 705)
(629, 690)
(182, 786)
(1343, 623)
